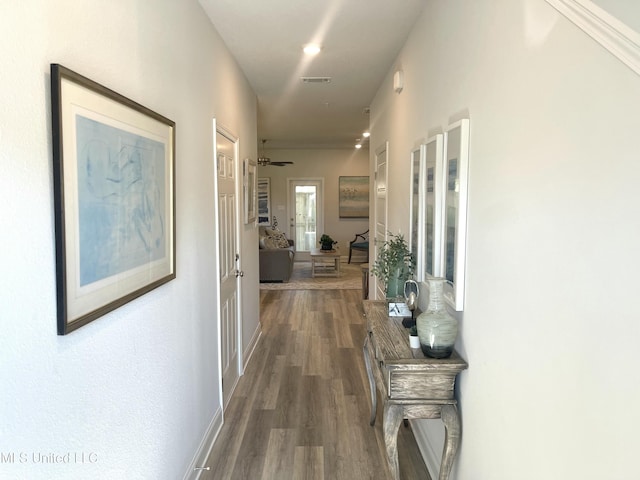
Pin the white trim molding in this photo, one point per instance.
(618, 38)
(251, 347)
(431, 458)
(197, 465)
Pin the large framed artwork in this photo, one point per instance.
(353, 197)
(114, 189)
(455, 211)
(264, 201)
(250, 186)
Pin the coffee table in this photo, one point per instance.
(325, 263)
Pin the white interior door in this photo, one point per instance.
(228, 260)
(380, 211)
(306, 219)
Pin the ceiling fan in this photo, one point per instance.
(264, 161)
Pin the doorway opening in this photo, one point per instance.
(306, 216)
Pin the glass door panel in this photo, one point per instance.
(306, 217)
(305, 207)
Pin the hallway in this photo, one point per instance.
(301, 410)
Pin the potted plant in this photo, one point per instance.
(414, 340)
(326, 242)
(394, 265)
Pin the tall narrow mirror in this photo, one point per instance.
(455, 211)
(416, 237)
(432, 206)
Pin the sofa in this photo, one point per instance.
(276, 256)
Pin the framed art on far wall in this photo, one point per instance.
(456, 172)
(114, 193)
(353, 197)
(250, 186)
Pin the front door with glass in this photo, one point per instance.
(305, 214)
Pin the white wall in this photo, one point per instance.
(138, 387)
(328, 164)
(550, 328)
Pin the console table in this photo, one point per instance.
(410, 384)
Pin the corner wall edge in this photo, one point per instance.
(618, 38)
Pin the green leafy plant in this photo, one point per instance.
(413, 331)
(395, 261)
(326, 239)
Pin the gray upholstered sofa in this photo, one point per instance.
(276, 261)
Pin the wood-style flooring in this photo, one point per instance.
(301, 410)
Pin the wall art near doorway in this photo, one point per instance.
(250, 186)
(114, 192)
(264, 201)
(353, 197)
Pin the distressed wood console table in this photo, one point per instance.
(410, 384)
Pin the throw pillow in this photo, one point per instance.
(280, 239)
(270, 243)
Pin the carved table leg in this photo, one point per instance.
(372, 383)
(451, 420)
(392, 419)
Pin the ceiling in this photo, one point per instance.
(360, 40)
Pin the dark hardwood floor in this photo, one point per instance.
(301, 410)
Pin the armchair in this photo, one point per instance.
(360, 242)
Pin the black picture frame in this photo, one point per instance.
(114, 198)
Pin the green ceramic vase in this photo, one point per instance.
(437, 329)
(395, 283)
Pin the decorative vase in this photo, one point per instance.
(326, 246)
(395, 283)
(437, 329)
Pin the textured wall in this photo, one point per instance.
(550, 328)
(138, 387)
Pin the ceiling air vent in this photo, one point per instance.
(316, 79)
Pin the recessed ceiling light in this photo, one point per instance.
(366, 134)
(311, 49)
(358, 145)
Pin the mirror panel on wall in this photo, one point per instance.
(455, 211)
(427, 186)
(432, 201)
(416, 237)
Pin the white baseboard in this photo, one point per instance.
(431, 458)
(205, 447)
(251, 347)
